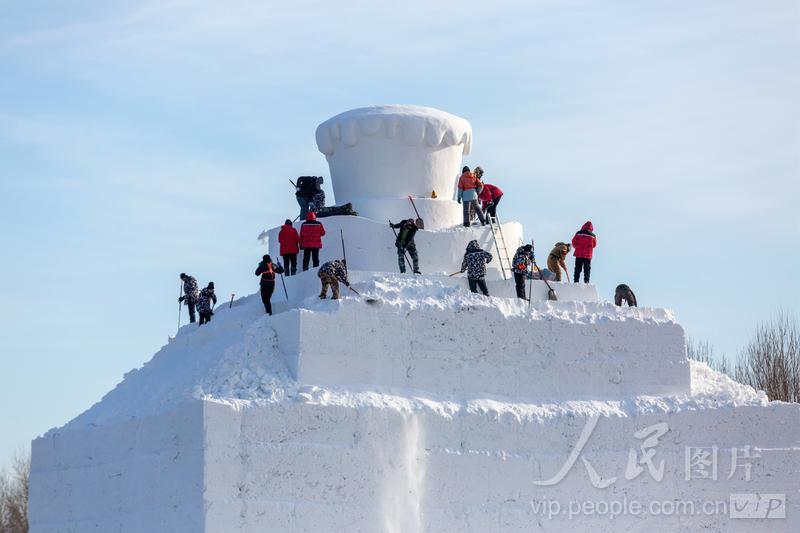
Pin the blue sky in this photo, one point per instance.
(142, 139)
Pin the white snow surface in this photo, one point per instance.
(234, 360)
(413, 124)
(393, 151)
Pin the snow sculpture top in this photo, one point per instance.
(393, 151)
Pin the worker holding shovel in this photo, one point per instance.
(330, 274)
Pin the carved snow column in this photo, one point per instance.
(378, 156)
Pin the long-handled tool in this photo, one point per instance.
(454, 274)
(180, 305)
(551, 294)
(284, 284)
(231, 304)
(295, 186)
(405, 254)
(344, 252)
(344, 257)
(420, 222)
(530, 281)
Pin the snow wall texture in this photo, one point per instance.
(217, 426)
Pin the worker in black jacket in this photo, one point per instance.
(267, 270)
(405, 243)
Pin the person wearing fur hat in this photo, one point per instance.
(267, 270)
(584, 243)
(205, 303)
(557, 260)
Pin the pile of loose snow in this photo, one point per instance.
(409, 293)
(234, 359)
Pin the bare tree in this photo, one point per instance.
(704, 352)
(14, 496)
(771, 360)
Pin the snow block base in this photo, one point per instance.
(481, 350)
(309, 465)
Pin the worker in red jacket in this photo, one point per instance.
(490, 196)
(583, 243)
(289, 240)
(311, 233)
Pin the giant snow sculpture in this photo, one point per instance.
(428, 409)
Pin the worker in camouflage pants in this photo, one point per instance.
(330, 274)
(191, 294)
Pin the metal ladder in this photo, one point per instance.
(500, 245)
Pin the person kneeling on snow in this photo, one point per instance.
(474, 264)
(330, 274)
(267, 270)
(521, 264)
(405, 243)
(204, 303)
(190, 294)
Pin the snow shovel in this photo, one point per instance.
(454, 274)
(551, 294)
(370, 301)
(419, 221)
